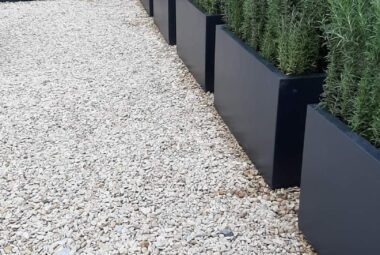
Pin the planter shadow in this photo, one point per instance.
(264, 109)
(340, 187)
(165, 19)
(196, 41)
(148, 5)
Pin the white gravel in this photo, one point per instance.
(108, 145)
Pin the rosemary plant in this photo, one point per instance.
(210, 6)
(285, 32)
(352, 89)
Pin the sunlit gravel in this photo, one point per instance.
(108, 145)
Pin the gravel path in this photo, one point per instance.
(108, 146)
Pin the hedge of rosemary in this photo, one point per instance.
(352, 90)
(285, 32)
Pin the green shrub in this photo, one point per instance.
(234, 10)
(285, 32)
(247, 23)
(210, 6)
(352, 89)
(258, 23)
(298, 44)
(254, 22)
(272, 27)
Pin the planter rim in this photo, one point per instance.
(362, 143)
(267, 63)
(204, 13)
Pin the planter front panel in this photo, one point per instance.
(264, 109)
(248, 108)
(165, 19)
(196, 41)
(148, 5)
(340, 188)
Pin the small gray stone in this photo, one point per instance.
(227, 232)
(120, 229)
(63, 251)
(190, 237)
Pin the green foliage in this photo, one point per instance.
(210, 6)
(272, 30)
(254, 18)
(352, 89)
(259, 9)
(298, 44)
(233, 10)
(285, 32)
(247, 23)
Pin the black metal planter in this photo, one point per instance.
(340, 188)
(196, 41)
(165, 19)
(263, 108)
(148, 5)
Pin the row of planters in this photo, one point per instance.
(298, 84)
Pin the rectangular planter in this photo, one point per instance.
(148, 5)
(263, 108)
(196, 41)
(165, 19)
(340, 188)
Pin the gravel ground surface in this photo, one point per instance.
(108, 145)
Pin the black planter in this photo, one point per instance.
(165, 19)
(340, 188)
(263, 108)
(148, 5)
(196, 41)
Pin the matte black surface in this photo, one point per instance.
(340, 188)
(196, 41)
(263, 108)
(148, 5)
(165, 19)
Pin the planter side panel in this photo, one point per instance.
(212, 22)
(340, 189)
(196, 41)
(246, 96)
(165, 19)
(148, 5)
(295, 95)
(191, 39)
